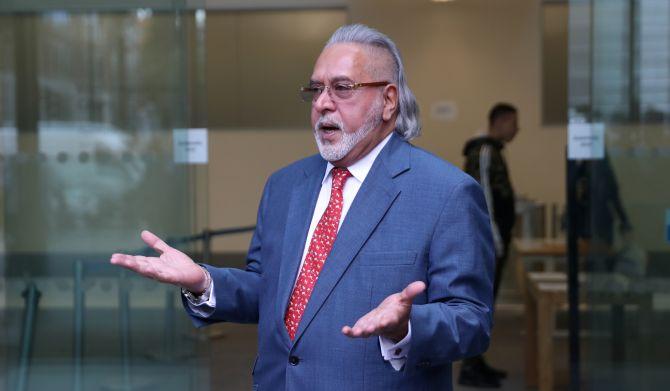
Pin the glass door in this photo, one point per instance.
(620, 96)
(89, 99)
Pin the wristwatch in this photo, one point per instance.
(204, 296)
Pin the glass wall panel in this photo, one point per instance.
(619, 77)
(90, 93)
(88, 103)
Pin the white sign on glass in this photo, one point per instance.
(190, 146)
(586, 141)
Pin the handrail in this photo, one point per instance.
(124, 327)
(206, 236)
(124, 305)
(209, 233)
(32, 296)
(78, 332)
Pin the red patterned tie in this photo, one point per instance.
(319, 248)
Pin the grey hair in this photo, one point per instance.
(408, 124)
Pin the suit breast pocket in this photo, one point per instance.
(387, 258)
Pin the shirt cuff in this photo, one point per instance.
(396, 353)
(203, 305)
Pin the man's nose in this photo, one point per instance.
(324, 102)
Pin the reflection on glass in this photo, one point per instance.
(89, 101)
(620, 71)
(626, 47)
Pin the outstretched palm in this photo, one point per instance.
(171, 267)
(391, 318)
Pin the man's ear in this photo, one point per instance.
(390, 102)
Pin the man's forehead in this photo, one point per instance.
(341, 61)
(509, 116)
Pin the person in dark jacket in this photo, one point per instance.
(484, 161)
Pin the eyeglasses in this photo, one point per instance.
(337, 91)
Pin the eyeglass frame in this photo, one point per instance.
(353, 88)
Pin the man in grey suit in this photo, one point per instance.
(371, 264)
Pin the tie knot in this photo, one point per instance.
(340, 175)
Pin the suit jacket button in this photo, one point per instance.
(294, 360)
(424, 364)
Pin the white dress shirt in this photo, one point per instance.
(395, 353)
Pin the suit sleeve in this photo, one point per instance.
(455, 322)
(237, 290)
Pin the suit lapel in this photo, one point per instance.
(301, 207)
(372, 201)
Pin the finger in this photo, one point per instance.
(411, 291)
(128, 261)
(138, 264)
(371, 329)
(354, 332)
(122, 260)
(346, 330)
(366, 331)
(366, 326)
(154, 242)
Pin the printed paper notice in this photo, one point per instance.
(444, 111)
(586, 141)
(190, 146)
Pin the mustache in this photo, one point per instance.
(328, 121)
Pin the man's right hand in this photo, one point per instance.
(171, 267)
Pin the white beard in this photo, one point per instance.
(333, 152)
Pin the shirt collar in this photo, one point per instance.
(361, 168)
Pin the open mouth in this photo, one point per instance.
(328, 128)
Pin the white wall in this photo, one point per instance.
(471, 52)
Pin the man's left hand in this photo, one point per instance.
(390, 318)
